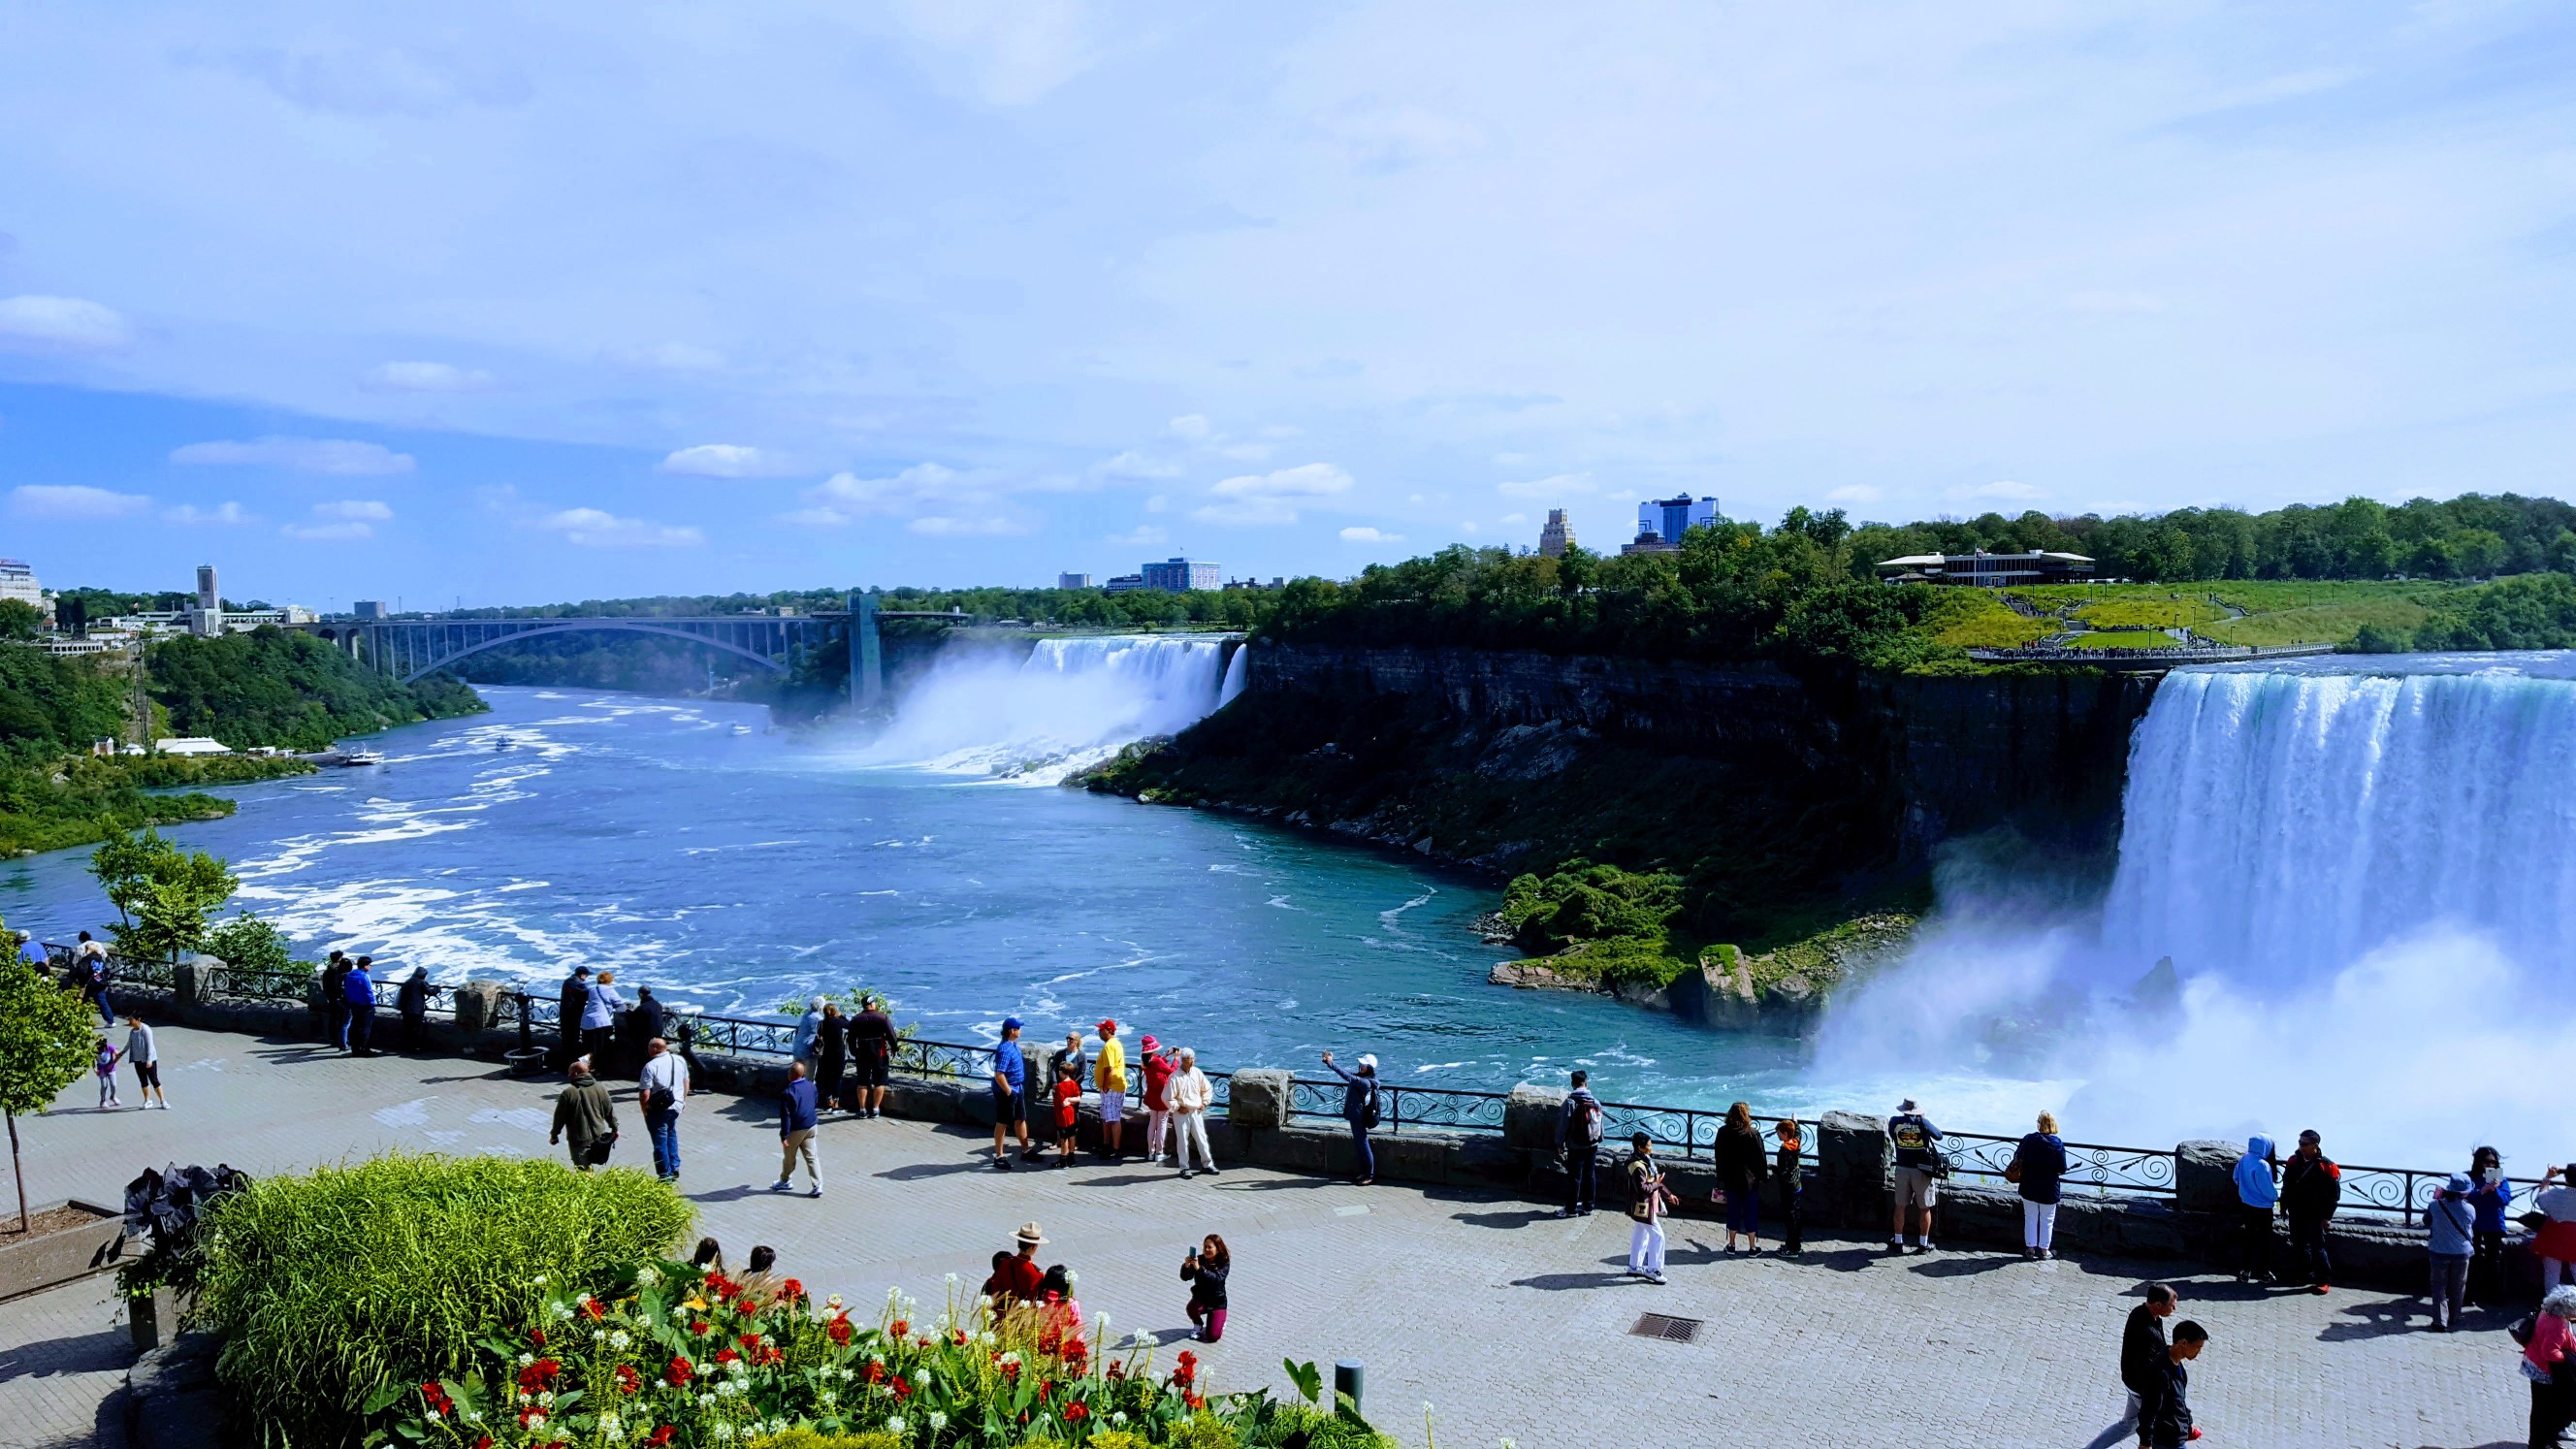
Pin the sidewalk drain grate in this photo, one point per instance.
(1667, 1328)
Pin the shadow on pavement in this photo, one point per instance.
(916, 1171)
(1561, 1282)
(81, 1354)
(1962, 1266)
(2376, 1320)
(1520, 1218)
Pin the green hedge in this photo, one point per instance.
(333, 1291)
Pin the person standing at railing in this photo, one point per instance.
(1191, 1095)
(809, 1030)
(2311, 1190)
(1785, 1170)
(871, 1054)
(1156, 1064)
(2258, 1196)
(1918, 1162)
(2450, 1236)
(1741, 1167)
(1010, 1094)
(2038, 1168)
(1578, 1146)
(571, 999)
(2555, 1244)
(599, 1008)
(1360, 1110)
(2490, 1194)
(96, 977)
(335, 1000)
(412, 1004)
(1066, 1065)
(359, 990)
(660, 1092)
(830, 1051)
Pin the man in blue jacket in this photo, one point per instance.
(360, 992)
(2258, 1197)
(796, 1131)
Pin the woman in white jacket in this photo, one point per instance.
(1190, 1095)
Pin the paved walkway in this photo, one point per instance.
(1511, 1323)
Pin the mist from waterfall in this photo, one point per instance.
(1069, 704)
(2364, 872)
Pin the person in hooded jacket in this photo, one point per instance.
(2258, 1193)
(2450, 1225)
(2040, 1160)
(2311, 1190)
(411, 1002)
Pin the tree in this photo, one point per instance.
(164, 896)
(20, 620)
(45, 1044)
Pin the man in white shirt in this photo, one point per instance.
(1191, 1095)
(661, 1091)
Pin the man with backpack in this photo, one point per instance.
(1918, 1165)
(2311, 1190)
(1578, 1144)
(662, 1091)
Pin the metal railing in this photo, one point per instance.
(2096, 1170)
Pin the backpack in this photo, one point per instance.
(1587, 1128)
(2523, 1328)
(1370, 1120)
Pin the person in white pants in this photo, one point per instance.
(2038, 1166)
(1647, 1201)
(1190, 1094)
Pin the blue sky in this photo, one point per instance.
(513, 303)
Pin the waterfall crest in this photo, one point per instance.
(1069, 704)
(1238, 673)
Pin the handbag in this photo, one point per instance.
(2012, 1172)
(597, 1156)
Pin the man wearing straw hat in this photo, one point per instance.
(1022, 1273)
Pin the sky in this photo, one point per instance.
(504, 304)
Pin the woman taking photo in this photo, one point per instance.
(1743, 1165)
(1359, 1109)
(1205, 1271)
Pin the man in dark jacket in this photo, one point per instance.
(2311, 1190)
(412, 1001)
(569, 1001)
(2142, 1348)
(796, 1120)
(335, 1005)
(585, 1113)
(648, 1016)
(871, 1035)
(1578, 1141)
(2165, 1415)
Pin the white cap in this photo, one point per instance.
(1368, 1060)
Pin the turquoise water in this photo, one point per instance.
(690, 846)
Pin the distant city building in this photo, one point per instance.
(1073, 581)
(1276, 582)
(369, 609)
(208, 617)
(1182, 575)
(1124, 583)
(18, 581)
(1661, 522)
(192, 745)
(1988, 570)
(1557, 536)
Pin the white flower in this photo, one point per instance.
(536, 1418)
(618, 1339)
(938, 1421)
(832, 1302)
(724, 1431)
(952, 1280)
(560, 1312)
(823, 1397)
(539, 1280)
(526, 1359)
(878, 1359)
(434, 1414)
(610, 1429)
(646, 1276)
(895, 1425)
(737, 1367)
(1118, 1416)
(1012, 1357)
(545, 1396)
(706, 1401)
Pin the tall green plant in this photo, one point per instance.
(333, 1290)
(164, 896)
(45, 1043)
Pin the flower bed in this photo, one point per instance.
(673, 1359)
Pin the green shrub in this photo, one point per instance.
(332, 1290)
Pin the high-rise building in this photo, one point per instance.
(207, 619)
(1073, 581)
(1182, 575)
(1661, 522)
(1557, 536)
(208, 596)
(18, 581)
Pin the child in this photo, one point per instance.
(108, 1057)
(1205, 1271)
(998, 1287)
(1784, 1171)
(2164, 1412)
(1068, 1118)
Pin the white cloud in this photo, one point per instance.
(364, 510)
(1561, 485)
(846, 496)
(342, 520)
(189, 515)
(2116, 302)
(1245, 452)
(1515, 518)
(1193, 426)
(1856, 493)
(1370, 535)
(999, 525)
(73, 501)
(2008, 491)
(328, 532)
(598, 528)
(60, 324)
(336, 457)
(430, 377)
(723, 460)
(1143, 535)
(1157, 504)
(1132, 464)
(669, 357)
(1263, 499)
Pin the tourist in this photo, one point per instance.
(599, 1011)
(2164, 1413)
(1359, 1109)
(1578, 1146)
(1648, 1200)
(2311, 1189)
(1156, 1064)
(660, 1092)
(2554, 1244)
(105, 1065)
(1741, 1167)
(585, 1113)
(809, 1032)
(831, 1051)
(872, 1039)
(997, 1284)
(1205, 1271)
(411, 1003)
(2142, 1348)
(360, 991)
(650, 1015)
(796, 1119)
(571, 1000)
(2549, 1362)
(709, 1257)
(2258, 1198)
(335, 1001)
(1010, 1101)
(1109, 1074)
(1023, 1277)
(1063, 1312)
(2450, 1225)
(2038, 1166)
(760, 1282)
(1785, 1170)
(97, 977)
(1190, 1096)
(1066, 1064)
(1918, 1167)
(2490, 1194)
(145, 1054)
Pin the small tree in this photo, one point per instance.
(164, 896)
(45, 1044)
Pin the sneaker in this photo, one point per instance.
(2322, 1288)
(1001, 1164)
(1896, 1245)
(781, 1185)
(1925, 1247)
(816, 1191)
(1655, 1278)
(1565, 1212)
(1211, 1172)
(1185, 1174)
(1753, 1252)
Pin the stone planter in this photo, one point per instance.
(75, 1250)
(151, 1318)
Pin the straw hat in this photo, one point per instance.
(1030, 1237)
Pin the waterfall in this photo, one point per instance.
(1238, 672)
(1069, 704)
(2281, 824)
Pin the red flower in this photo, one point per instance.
(680, 1372)
(1195, 1401)
(591, 1306)
(436, 1397)
(746, 1305)
(791, 1289)
(539, 1375)
(1116, 1370)
(628, 1380)
(1011, 1370)
(875, 1372)
(661, 1436)
(1044, 1387)
(719, 1287)
(957, 1336)
(537, 1336)
(701, 1328)
(900, 1328)
(750, 1342)
(902, 1390)
(483, 1441)
(1076, 1412)
(726, 1355)
(838, 1330)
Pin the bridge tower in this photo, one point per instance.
(867, 654)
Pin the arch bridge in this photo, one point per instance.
(415, 647)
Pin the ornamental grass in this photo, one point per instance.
(670, 1358)
(336, 1293)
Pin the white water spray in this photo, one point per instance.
(1070, 704)
(1238, 673)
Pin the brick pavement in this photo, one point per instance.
(1512, 1323)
